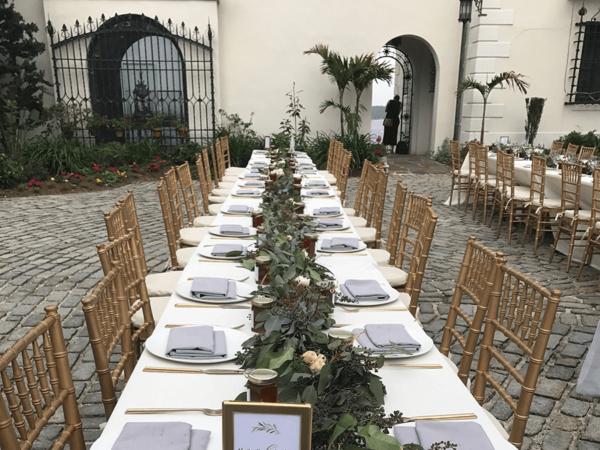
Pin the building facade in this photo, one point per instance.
(257, 54)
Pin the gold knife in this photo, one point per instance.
(194, 371)
(185, 305)
(469, 416)
(416, 366)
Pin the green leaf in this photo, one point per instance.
(273, 323)
(377, 440)
(310, 395)
(290, 273)
(280, 357)
(243, 397)
(324, 377)
(345, 422)
(376, 387)
(248, 264)
(234, 253)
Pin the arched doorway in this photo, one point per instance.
(415, 83)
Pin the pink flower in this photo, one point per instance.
(70, 175)
(95, 167)
(378, 139)
(32, 180)
(30, 183)
(62, 173)
(37, 183)
(135, 169)
(378, 151)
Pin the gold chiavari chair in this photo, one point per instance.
(497, 200)
(344, 174)
(540, 208)
(472, 171)
(371, 235)
(593, 238)
(419, 260)
(513, 198)
(215, 195)
(416, 211)
(186, 183)
(225, 181)
(230, 170)
(203, 186)
(117, 226)
(486, 184)
(369, 199)
(523, 311)
(190, 236)
(328, 173)
(571, 218)
(556, 148)
(108, 320)
(586, 153)
(572, 149)
(178, 257)
(388, 256)
(43, 383)
(458, 176)
(477, 274)
(355, 212)
(215, 167)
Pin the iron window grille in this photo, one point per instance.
(585, 71)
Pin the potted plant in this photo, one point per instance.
(182, 128)
(154, 123)
(93, 121)
(120, 125)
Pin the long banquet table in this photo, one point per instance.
(413, 391)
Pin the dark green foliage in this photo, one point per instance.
(280, 140)
(535, 108)
(11, 171)
(182, 153)
(20, 79)
(359, 144)
(36, 170)
(591, 139)
(58, 154)
(117, 154)
(242, 138)
(443, 153)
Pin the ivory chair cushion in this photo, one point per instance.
(215, 209)
(396, 277)
(338, 193)
(234, 171)
(216, 199)
(598, 225)
(368, 235)
(497, 424)
(554, 203)
(192, 236)
(204, 221)
(160, 284)
(328, 177)
(582, 214)
(463, 173)
(324, 172)
(349, 211)
(522, 193)
(157, 305)
(226, 185)
(381, 256)
(184, 255)
(230, 179)
(358, 222)
(221, 192)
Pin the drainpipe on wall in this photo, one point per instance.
(464, 17)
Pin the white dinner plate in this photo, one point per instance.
(394, 295)
(205, 251)
(215, 232)
(330, 195)
(236, 196)
(243, 292)
(157, 345)
(361, 247)
(225, 211)
(215, 270)
(345, 225)
(416, 332)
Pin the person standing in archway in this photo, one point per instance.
(392, 122)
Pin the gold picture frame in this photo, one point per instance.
(504, 140)
(253, 425)
(267, 142)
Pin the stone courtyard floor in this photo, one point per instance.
(48, 257)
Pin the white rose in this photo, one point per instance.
(303, 281)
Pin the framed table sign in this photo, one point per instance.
(266, 426)
(504, 140)
(267, 142)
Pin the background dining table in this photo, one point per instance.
(413, 391)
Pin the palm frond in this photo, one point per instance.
(320, 49)
(470, 83)
(333, 104)
(512, 80)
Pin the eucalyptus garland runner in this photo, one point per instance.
(339, 381)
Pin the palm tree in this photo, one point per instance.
(512, 80)
(338, 70)
(365, 70)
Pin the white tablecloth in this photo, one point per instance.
(414, 392)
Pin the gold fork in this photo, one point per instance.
(196, 371)
(186, 305)
(441, 417)
(355, 310)
(177, 325)
(207, 411)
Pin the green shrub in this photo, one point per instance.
(359, 144)
(587, 140)
(442, 155)
(242, 138)
(35, 170)
(117, 154)
(58, 154)
(281, 140)
(182, 153)
(11, 171)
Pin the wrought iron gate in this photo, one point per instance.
(131, 68)
(391, 51)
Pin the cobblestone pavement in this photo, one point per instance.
(47, 256)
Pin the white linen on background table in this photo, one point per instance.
(411, 391)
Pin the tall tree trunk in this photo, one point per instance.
(483, 121)
(342, 113)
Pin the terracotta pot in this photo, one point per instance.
(118, 132)
(182, 132)
(157, 132)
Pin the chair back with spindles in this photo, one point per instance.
(523, 311)
(109, 327)
(472, 158)
(337, 159)
(477, 274)
(220, 158)
(571, 149)
(226, 152)
(481, 168)
(206, 165)
(171, 231)
(586, 153)
(36, 382)
(571, 186)
(361, 187)
(131, 221)
(370, 196)
(174, 198)
(380, 205)
(342, 183)
(508, 175)
(215, 166)
(184, 175)
(556, 148)
(396, 222)
(596, 197)
(455, 156)
(416, 209)
(538, 179)
(500, 171)
(204, 190)
(419, 259)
